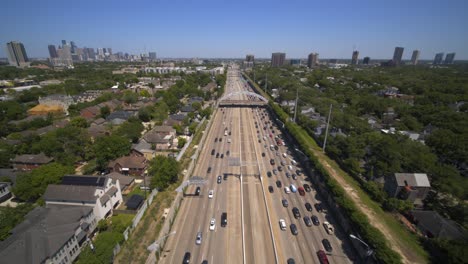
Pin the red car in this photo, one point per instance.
(322, 257)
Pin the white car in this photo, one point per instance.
(287, 190)
(285, 155)
(282, 224)
(212, 224)
(290, 167)
(210, 194)
(328, 227)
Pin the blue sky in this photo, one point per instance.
(177, 28)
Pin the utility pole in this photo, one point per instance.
(326, 130)
(295, 107)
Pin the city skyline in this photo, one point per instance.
(168, 28)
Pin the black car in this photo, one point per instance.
(219, 179)
(227, 153)
(307, 188)
(298, 172)
(294, 176)
(197, 191)
(259, 141)
(318, 207)
(272, 161)
(270, 188)
(296, 212)
(280, 168)
(291, 261)
(186, 258)
(308, 207)
(229, 132)
(216, 140)
(269, 173)
(307, 221)
(276, 148)
(315, 220)
(224, 219)
(327, 245)
(288, 175)
(209, 170)
(278, 184)
(213, 152)
(220, 139)
(225, 177)
(293, 229)
(222, 155)
(217, 155)
(285, 202)
(263, 154)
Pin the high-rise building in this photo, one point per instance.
(354, 59)
(52, 51)
(312, 60)
(64, 42)
(277, 59)
(438, 58)
(295, 62)
(152, 56)
(397, 55)
(250, 58)
(109, 50)
(73, 47)
(91, 53)
(415, 57)
(449, 58)
(366, 61)
(17, 54)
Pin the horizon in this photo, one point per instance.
(204, 30)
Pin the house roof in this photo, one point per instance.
(85, 180)
(412, 179)
(42, 233)
(134, 202)
(40, 108)
(96, 130)
(153, 137)
(437, 225)
(163, 129)
(124, 115)
(124, 181)
(99, 121)
(130, 162)
(32, 159)
(178, 117)
(95, 110)
(186, 109)
(142, 146)
(70, 193)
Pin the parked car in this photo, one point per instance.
(186, 258)
(210, 194)
(286, 189)
(269, 173)
(322, 256)
(318, 207)
(301, 191)
(282, 224)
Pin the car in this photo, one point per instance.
(186, 258)
(322, 257)
(259, 141)
(294, 176)
(270, 188)
(222, 155)
(227, 153)
(308, 207)
(210, 194)
(278, 184)
(327, 245)
(283, 163)
(298, 172)
(212, 224)
(225, 177)
(280, 168)
(285, 202)
(293, 229)
(296, 212)
(209, 170)
(329, 228)
(263, 154)
(269, 173)
(291, 261)
(315, 220)
(318, 207)
(198, 240)
(220, 139)
(301, 191)
(206, 261)
(290, 167)
(272, 161)
(217, 155)
(216, 140)
(275, 171)
(224, 219)
(307, 187)
(282, 224)
(212, 152)
(229, 133)
(293, 188)
(288, 175)
(219, 179)
(286, 189)
(276, 148)
(307, 221)
(197, 191)
(285, 155)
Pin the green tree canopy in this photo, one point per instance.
(163, 171)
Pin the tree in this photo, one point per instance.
(129, 97)
(163, 171)
(145, 113)
(107, 148)
(104, 111)
(102, 225)
(79, 122)
(130, 129)
(181, 142)
(32, 185)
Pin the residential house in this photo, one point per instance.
(129, 165)
(196, 99)
(186, 109)
(408, 186)
(209, 87)
(90, 112)
(52, 235)
(96, 131)
(119, 117)
(101, 193)
(162, 137)
(5, 192)
(125, 181)
(41, 109)
(145, 149)
(28, 162)
(175, 119)
(433, 225)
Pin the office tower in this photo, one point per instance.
(64, 42)
(277, 59)
(354, 59)
(415, 57)
(438, 58)
(90, 53)
(250, 58)
(295, 62)
(312, 60)
(449, 58)
(152, 56)
(397, 55)
(53, 51)
(73, 47)
(17, 54)
(366, 60)
(109, 50)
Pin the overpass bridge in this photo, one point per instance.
(251, 100)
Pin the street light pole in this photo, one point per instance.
(155, 245)
(369, 250)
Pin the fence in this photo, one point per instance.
(140, 214)
(182, 151)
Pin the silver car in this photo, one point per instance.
(199, 238)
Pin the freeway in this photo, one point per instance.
(238, 148)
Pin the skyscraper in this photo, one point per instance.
(438, 58)
(73, 47)
(250, 58)
(415, 57)
(354, 59)
(312, 60)
(17, 54)
(91, 53)
(277, 59)
(397, 55)
(53, 51)
(366, 61)
(64, 42)
(449, 58)
(152, 56)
